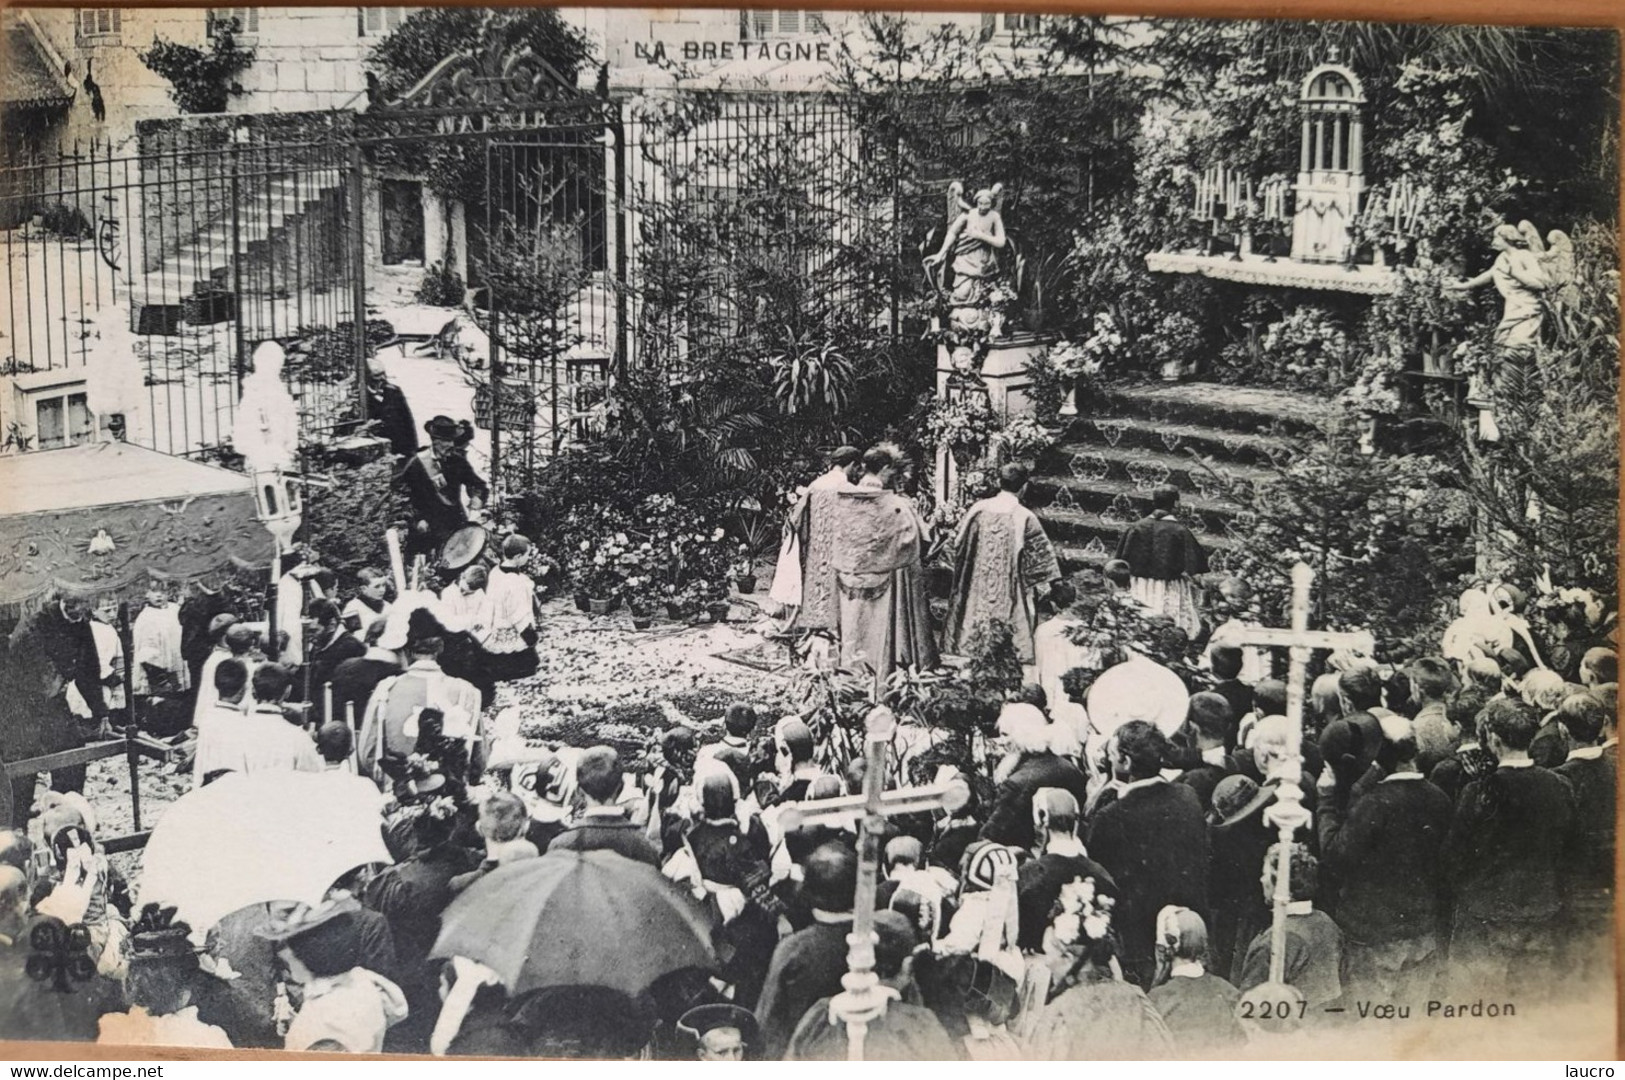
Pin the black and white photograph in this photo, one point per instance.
(701, 534)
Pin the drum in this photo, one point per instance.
(467, 545)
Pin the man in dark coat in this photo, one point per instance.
(435, 481)
(1227, 661)
(1592, 770)
(1010, 822)
(49, 652)
(330, 646)
(905, 1032)
(197, 613)
(1206, 761)
(355, 679)
(1385, 850)
(807, 966)
(1504, 858)
(411, 896)
(1153, 840)
(605, 825)
(389, 413)
(1062, 861)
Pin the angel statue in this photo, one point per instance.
(975, 237)
(1523, 272)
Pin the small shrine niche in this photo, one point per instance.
(1331, 169)
(1323, 229)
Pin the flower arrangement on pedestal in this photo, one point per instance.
(1023, 439)
(1001, 299)
(964, 425)
(1304, 349)
(1373, 395)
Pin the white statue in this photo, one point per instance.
(974, 239)
(266, 429)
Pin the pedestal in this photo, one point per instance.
(1004, 370)
(1004, 373)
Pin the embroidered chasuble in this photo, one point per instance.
(1000, 556)
(862, 578)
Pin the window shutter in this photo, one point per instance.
(789, 22)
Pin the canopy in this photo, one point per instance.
(99, 519)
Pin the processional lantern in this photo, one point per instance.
(1331, 164)
(277, 502)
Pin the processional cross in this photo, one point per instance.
(863, 1000)
(1287, 813)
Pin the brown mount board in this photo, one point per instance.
(1575, 13)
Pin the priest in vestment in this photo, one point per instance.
(863, 577)
(1000, 556)
(791, 567)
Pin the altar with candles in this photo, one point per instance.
(1306, 234)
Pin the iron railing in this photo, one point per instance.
(220, 232)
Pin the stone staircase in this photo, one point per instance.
(1127, 440)
(277, 236)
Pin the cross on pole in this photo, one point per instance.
(1287, 813)
(863, 999)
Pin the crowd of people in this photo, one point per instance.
(1105, 891)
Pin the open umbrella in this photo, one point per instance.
(573, 918)
(260, 838)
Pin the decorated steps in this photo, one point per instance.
(1215, 443)
(1229, 409)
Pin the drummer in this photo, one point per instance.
(435, 480)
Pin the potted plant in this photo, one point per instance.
(744, 571)
(606, 574)
(640, 593)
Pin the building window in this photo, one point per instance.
(379, 21)
(1022, 23)
(760, 25)
(61, 421)
(99, 22)
(402, 203)
(240, 20)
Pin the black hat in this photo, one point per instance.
(324, 938)
(157, 936)
(1236, 797)
(443, 427)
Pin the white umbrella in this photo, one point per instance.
(260, 838)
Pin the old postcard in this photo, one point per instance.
(807, 535)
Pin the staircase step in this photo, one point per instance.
(1222, 444)
(1079, 526)
(1126, 497)
(1098, 461)
(1236, 408)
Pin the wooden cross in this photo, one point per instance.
(1287, 813)
(863, 999)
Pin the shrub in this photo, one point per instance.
(441, 287)
(199, 82)
(68, 222)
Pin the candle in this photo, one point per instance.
(327, 703)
